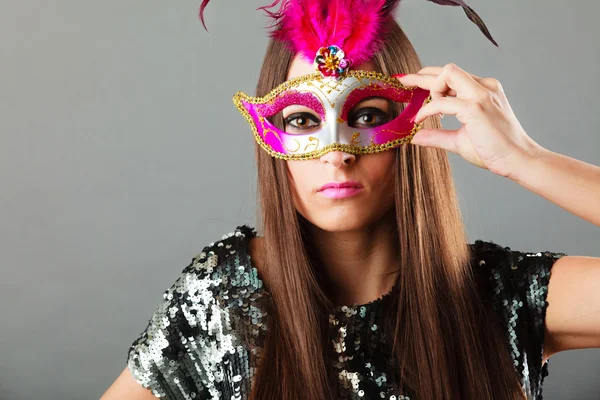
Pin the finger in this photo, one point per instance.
(492, 84)
(435, 70)
(489, 83)
(442, 81)
(442, 105)
(427, 82)
(440, 87)
(465, 85)
(439, 138)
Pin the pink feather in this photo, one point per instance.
(368, 27)
(300, 24)
(354, 25)
(339, 21)
(307, 25)
(357, 26)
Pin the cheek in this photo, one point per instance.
(302, 176)
(381, 173)
(380, 167)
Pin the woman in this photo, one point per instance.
(363, 284)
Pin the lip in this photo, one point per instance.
(340, 190)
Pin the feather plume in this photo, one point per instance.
(354, 25)
(357, 26)
(368, 33)
(202, 7)
(339, 22)
(471, 14)
(300, 24)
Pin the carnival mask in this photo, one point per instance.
(331, 98)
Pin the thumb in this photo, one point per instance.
(439, 138)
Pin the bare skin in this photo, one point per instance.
(125, 387)
(354, 235)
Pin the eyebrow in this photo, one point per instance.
(289, 98)
(385, 92)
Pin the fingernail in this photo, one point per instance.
(398, 76)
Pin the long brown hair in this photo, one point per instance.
(445, 341)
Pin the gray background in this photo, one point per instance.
(122, 155)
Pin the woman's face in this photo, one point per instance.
(370, 177)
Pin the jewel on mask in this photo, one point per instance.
(331, 61)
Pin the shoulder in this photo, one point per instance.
(221, 261)
(220, 274)
(512, 269)
(231, 245)
(516, 282)
(205, 320)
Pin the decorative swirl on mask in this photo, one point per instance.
(312, 139)
(266, 130)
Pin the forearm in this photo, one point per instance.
(569, 183)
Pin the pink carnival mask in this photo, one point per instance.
(331, 98)
(335, 36)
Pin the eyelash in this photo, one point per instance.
(360, 113)
(305, 115)
(369, 111)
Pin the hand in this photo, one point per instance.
(491, 137)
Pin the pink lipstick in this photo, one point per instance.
(340, 190)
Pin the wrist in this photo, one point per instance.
(530, 156)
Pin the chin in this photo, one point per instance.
(336, 221)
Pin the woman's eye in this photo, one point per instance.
(302, 121)
(369, 117)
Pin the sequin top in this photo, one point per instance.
(204, 339)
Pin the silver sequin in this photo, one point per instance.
(204, 340)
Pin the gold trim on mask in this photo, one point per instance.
(388, 131)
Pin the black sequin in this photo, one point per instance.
(205, 338)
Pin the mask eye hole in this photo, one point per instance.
(300, 119)
(370, 113)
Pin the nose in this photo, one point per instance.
(338, 158)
